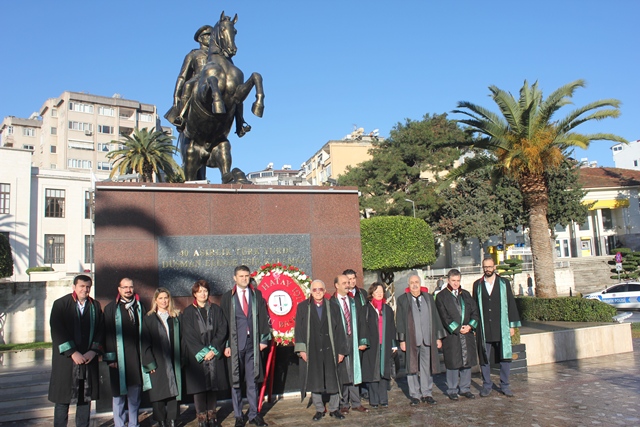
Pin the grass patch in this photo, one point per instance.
(635, 330)
(27, 346)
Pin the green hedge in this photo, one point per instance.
(36, 269)
(396, 242)
(565, 309)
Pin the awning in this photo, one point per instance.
(607, 204)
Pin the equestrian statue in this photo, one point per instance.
(208, 97)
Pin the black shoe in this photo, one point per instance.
(374, 406)
(485, 392)
(337, 414)
(318, 416)
(507, 392)
(414, 402)
(384, 405)
(258, 421)
(453, 396)
(239, 422)
(468, 395)
(430, 400)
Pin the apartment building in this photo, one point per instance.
(75, 131)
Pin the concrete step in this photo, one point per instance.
(17, 392)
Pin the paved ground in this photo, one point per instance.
(598, 391)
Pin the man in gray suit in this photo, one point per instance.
(419, 333)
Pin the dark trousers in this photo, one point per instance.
(245, 362)
(205, 401)
(505, 368)
(61, 414)
(379, 392)
(166, 409)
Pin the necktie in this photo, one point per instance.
(418, 301)
(245, 303)
(347, 315)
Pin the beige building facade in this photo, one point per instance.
(75, 130)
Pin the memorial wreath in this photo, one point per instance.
(283, 288)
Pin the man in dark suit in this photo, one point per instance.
(249, 333)
(498, 319)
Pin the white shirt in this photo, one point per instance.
(81, 306)
(489, 286)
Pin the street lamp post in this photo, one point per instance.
(413, 205)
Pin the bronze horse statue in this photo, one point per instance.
(215, 102)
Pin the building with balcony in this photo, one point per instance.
(75, 130)
(271, 176)
(332, 160)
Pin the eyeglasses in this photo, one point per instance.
(488, 267)
(317, 290)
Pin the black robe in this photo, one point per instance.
(459, 349)
(261, 333)
(350, 371)
(377, 360)
(71, 332)
(201, 334)
(505, 316)
(406, 332)
(161, 352)
(127, 340)
(323, 339)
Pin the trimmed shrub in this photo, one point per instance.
(36, 269)
(6, 260)
(565, 309)
(396, 242)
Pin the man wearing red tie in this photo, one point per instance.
(249, 333)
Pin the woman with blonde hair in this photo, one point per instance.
(161, 357)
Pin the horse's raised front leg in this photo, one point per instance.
(255, 80)
(217, 105)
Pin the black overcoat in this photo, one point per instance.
(459, 349)
(199, 336)
(261, 333)
(503, 317)
(127, 337)
(323, 339)
(161, 353)
(377, 359)
(71, 332)
(350, 371)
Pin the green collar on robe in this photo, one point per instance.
(505, 332)
(146, 380)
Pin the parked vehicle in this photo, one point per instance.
(622, 295)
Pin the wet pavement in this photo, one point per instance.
(589, 392)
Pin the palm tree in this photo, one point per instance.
(145, 152)
(524, 142)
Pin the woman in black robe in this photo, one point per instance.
(161, 357)
(381, 333)
(204, 331)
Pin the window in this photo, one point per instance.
(80, 126)
(633, 287)
(79, 164)
(585, 225)
(5, 192)
(87, 204)
(617, 148)
(104, 146)
(614, 289)
(125, 131)
(28, 131)
(88, 249)
(105, 166)
(146, 117)
(53, 149)
(9, 130)
(106, 111)
(560, 228)
(54, 248)
(105, 129)
(54, 203)
(53, 166)
(607, 219)
(635, 163)
(82, 108)
(126, 114)
(54, 112)
(27, 147)
(54, 130)
(466, 248)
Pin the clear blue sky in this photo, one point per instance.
(328, 65)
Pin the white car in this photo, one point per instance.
(622, 295)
